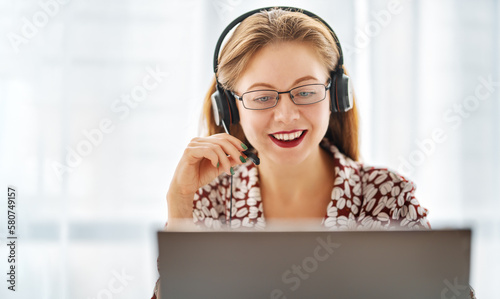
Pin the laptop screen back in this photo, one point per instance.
(375, 264)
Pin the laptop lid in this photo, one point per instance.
(362, 264)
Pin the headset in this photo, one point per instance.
(224, 106)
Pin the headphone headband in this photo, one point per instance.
(224, 105)
(294, 9)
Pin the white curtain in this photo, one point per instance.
(99, 98)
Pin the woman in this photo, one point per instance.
(315, 176)
(278, 64)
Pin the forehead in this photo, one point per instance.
(281, 64)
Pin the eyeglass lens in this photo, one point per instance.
(302, 95)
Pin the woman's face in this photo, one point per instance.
(281, 67)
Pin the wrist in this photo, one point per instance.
(179, 205)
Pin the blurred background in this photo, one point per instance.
(99, 98)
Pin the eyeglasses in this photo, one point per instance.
(266, 99)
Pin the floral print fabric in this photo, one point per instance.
(362, 197)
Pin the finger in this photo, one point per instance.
(196, 152)
(210, 148)
(231, 148)
(224, 137)
(225, 161)
(235, 141)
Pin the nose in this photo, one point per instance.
(286, 111)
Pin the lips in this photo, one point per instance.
(288, 139)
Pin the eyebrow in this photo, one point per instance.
(301, 79)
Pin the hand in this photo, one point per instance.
(203, 160)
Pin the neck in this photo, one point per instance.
(290, 183)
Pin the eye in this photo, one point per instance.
(305, 94)
(262, 99)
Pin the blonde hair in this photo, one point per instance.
(279, 25)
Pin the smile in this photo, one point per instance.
(288, 139)
(289, 136)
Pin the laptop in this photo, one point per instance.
(348, 264)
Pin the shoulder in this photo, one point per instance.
(385, 181)
(389, 199)
(379, 198)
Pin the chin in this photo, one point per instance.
(290, 159)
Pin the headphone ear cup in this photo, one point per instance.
(333, 98)
(233, 109)
(346, 99)
(224, 107)
(341, 92)
(219, 107)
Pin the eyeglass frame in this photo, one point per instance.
(329, 84)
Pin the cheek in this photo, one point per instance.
(326, 112)
(250, 121)
(243, 113)
(320, 115)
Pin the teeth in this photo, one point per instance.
(287, 137)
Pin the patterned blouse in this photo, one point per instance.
(363, 197)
